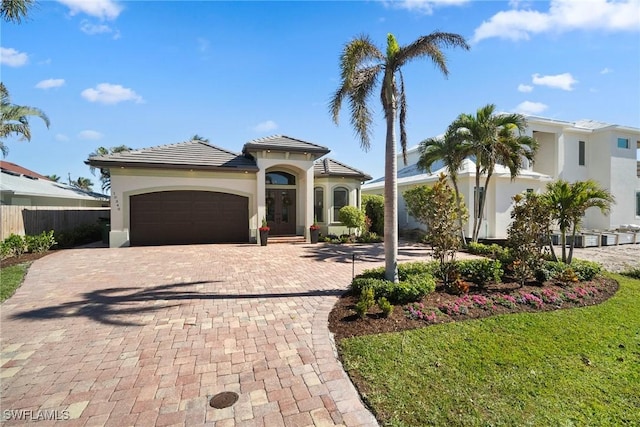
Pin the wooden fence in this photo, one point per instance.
(30, 220)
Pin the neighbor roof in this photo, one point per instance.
(284, 143)
(330, 167)
(12, 167)
(19, 184)
(184, 155)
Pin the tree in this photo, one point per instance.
(197, 137)
(362, 65)
(568, 203)
(82, 183)
(105, 173)
(373, 207)
(351, 217)
(15, 10)
(440, 209)
(14, 119)
(452, 151)
(54, 178)
(494, 139)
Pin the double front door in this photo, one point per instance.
(281, 211)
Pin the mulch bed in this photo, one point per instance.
(7, 262)
(345, 323)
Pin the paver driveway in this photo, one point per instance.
(145, 336)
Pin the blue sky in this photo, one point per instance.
(149, 73)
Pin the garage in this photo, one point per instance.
(188, 217)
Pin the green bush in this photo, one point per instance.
(365, 302)
(633, 272)
(385, 306)
(480, 271)
(373, 206)
(582, 270)
(586, 270)
(41, 243)
(83, 234)
(369, 237)
(493, 250)
(416, 281)
(351, 217)
(15, 245)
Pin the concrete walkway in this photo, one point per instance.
(146, 336)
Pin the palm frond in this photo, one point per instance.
(431, 45)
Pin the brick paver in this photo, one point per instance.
(146, 336)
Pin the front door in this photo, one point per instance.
(281, 212)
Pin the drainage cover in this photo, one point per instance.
(223, 400)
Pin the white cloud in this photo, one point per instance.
(562, 16)
(266, 126)
(423, 6)
(12, 58)
(528, 107)
(49, 83)
(564, 81)
(93, 29)
(524, 88)
(606, 70)
(61, 137)
(103, 9)
(107, 93)
(91, 135)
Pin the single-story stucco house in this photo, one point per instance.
(195, 192)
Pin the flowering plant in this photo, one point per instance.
(315, 225)
(264, 226)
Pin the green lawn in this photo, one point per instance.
(578, 367)
(11, 278)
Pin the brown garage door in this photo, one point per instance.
(187, 217)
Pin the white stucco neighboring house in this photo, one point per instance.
(195, 192)
(571, 151)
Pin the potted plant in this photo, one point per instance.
(314, 231)
(264, 232)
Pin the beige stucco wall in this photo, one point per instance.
(330, 224)
(128, 182)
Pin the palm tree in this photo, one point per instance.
(54, 178)
(452, 151)
(15, 10)
(14, 118)
(569, 202)
(197, 137)
(495, 139)
(362, 64)
(105, 173)
(82, 183)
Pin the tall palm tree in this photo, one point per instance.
(495, 139)
(54, 178)
(362, 65)
(569, 202)
(105, 173)
(197, 137)
(82, 183)
(15, 10)
(14, 119)
(452, 151)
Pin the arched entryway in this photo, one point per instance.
(280, 202)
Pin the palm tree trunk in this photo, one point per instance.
(391, 200)
(563, 238)
(476, 196)
(573, 243)
(482, 202)
(455, 189)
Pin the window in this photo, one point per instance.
(318, 204)
(581, 149)
(637, 203)
(623, 142)
(280, 178)
(340, 199)
(480, 199)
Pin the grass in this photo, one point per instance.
(11, 278)
(566, 367)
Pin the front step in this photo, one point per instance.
(286, 239)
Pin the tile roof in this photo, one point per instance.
(330, 167)
(284, 143)
(12, 167)
(183, 155)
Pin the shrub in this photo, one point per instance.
(586, 270)
(579, 270)
(40, 243)
(481, 271)
(373, 206)
(385, 306)
(632, 272)
(493, 250)
(416, 281)
(351, 217)
(83, 234)
(416, 268)
(365, 302)
(15, 245)
(369, 237)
